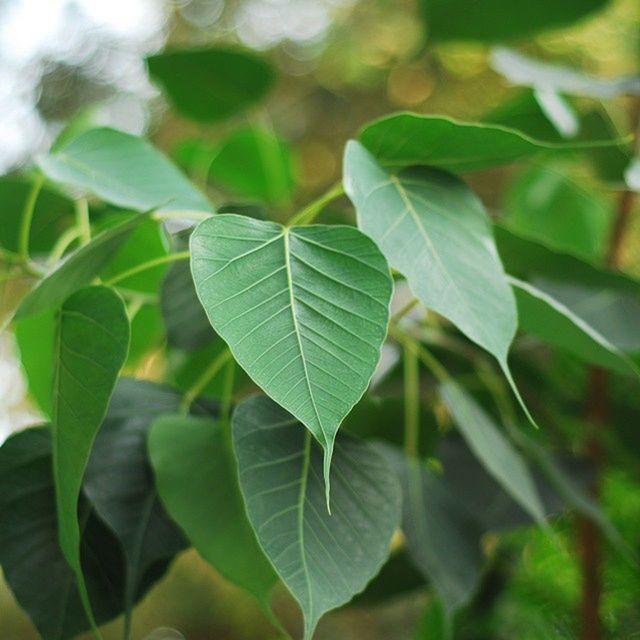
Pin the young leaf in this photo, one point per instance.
(303, 309)
(442, 538)
(324, 560)
(491, 447)
(78, 270)
(119, 482)
(433, 229)
(549, 318)
(208, 85)
(197, 480)
(406, 139)
(91, 346)
(123, 170)
(495, 20)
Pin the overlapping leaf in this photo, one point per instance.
(303, 309)
(323, 559)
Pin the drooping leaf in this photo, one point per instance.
(434, 230)
(119, 483)
(91, 346)
(324, 560)
(303, 309)
(78, 270)
(529, 72)
(212, 84)
(496, 20)
(545, 203)
(442, 538)
(197, 481)
(185, 320)
(52, 214)
(407, 139)
(255, 163)
(550, 320)
(493, 449)
(124, 170)
(31, 559)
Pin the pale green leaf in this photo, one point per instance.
(323, 559)
(197, 481)
(303, 309)
(124, 170)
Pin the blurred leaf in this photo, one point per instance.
(443, 540)
(124, 170)
(449, 260)
(255, 163)
(525, 71)
(493, 449)
(91, 346)
(208, 85)
(546, 204)
(53, 214)
(147, 332)
(323, 559)
(197, 480)
(495, 20)
(303, 309)
(78, 270)
(119, 481)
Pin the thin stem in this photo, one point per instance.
(82, 221)
(205, 377)
(190, 215)
(401, 313)
(62, 244)
(309, 213)
(411, 398)
(426, 357)
(172, 257)
(27, 217)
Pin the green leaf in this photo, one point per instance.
(495, 20)
(123, 170)
(33, 565)
(78, 270)
(493, 449)
(197, 480)
(91, 346)
(208, 85)
(147, 332)
(52, 214)
(442, 538)
(303, 309)
(406, 139)
(433, 229)
(255, 163)
(324, 560)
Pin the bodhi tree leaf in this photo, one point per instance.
(324, 560)
(79, 269)
(119, 482)
(91, 346)
(124, 170)
(197, 480)
(208, 85)
(303, 309)
(406, 139)
(434, 230)
(495, 20)
(495, 452)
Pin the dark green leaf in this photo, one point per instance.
(90, 348)
(323, 559)
(123, 170)
(197, 480)
(208, 85)
(303, 309)
(79, 269)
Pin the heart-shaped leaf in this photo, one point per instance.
(91, 346)
(323, 559)
(303, 309)
(197, 480)
(124, 170)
